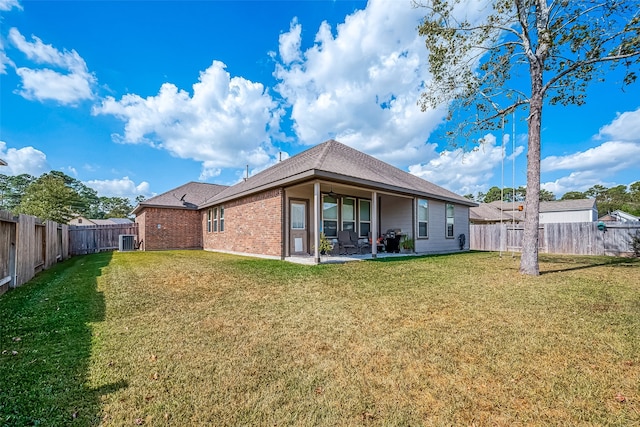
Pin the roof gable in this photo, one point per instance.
(336, 161)
(187, 196)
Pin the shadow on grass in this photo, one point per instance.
(45, 345)
(582, 263)
(401, 257)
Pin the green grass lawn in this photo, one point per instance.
(197, 338)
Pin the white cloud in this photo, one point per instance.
(290, 43)
(465, 172)
(4, 60)
(123, 187)
(611, 156)
(360, 83)
(361, 86)
(23, 160)
(625, 127)
(7, 5)
(227, 122)
(69, 84)
(600, 164)
(575, 181)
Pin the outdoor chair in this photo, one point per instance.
(360, 245)
(347, 246)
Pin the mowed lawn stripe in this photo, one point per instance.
(197, 338)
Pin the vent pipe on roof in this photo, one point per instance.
(247, 174)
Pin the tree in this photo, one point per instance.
(494, 194)
(634, 199)
(48, 197)
(11, 190)
(546, 195)
(115, 207)
(559, 45)
(573, 195)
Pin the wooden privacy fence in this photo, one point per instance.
(87, 239)
(28, 245)
(579, 238)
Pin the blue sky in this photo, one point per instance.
(139, 97)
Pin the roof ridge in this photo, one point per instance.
(326, 148)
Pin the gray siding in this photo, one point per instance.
(437, 242)
(395, 212)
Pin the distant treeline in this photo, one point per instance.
(58, 197)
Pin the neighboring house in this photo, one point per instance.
(281, 211)
(80, 220)
(486, 213)
(579, 210)
(172, 220)
(619, 216)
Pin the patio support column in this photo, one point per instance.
(316, 221)
(374, 224)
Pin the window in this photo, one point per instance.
(365, 218)
(330, 216)
(423, 218)
(221, 219)
(209, 217)
(215, 220)
(298, 216)
(449, 220)
(349, 214)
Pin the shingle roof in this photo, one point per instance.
(188, 196)
(567, 205)
(336, 161)
(553, 206)
(489, 213)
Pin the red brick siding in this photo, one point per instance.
(252, 225)
(179, 229)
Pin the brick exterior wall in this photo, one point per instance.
(252, 225)
(179, 229)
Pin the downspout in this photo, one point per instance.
(316, 222)
(374, 224)
(283, 228)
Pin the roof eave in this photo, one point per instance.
(315, 173)
(142, 206)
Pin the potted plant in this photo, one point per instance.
(325, 245)
(407, 244)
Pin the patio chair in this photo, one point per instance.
(346, 244)
(360, 244)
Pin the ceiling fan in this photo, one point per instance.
(332, 194)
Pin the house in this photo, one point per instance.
(172, 220)
(83, 221)
(579, 210)
(283, 210)
(487, 213)
(619, 216)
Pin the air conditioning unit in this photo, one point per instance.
(126, 242)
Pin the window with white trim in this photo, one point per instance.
(215, 220)
(450, 221)
(330, 216)
(209, 220)
(423, 218)
(348, 214)
(364, 217)
(221, 219)
(298, 216)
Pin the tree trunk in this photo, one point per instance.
(529, 261)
